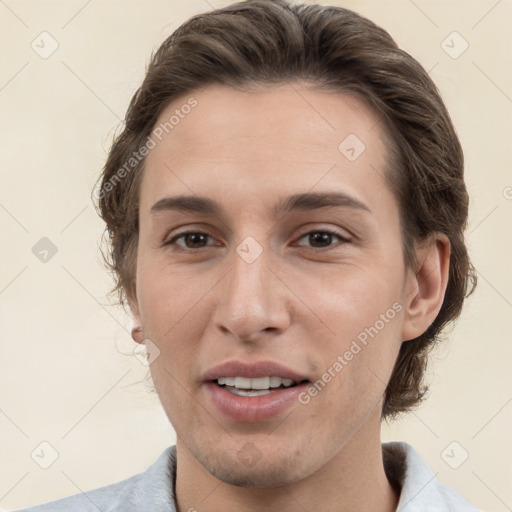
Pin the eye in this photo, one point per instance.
(323, 238)
(192, 239)
(198, 239)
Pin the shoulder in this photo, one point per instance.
(420, 489)
(150, 490)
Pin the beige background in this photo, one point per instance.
(67, 373)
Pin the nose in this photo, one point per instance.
(254, 300)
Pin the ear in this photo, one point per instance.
(137, 331)
(426, 286)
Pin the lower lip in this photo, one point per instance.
(253, 408)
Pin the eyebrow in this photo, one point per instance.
(296, 202)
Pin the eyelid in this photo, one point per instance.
(343, 239)
(176, 236)
(331, 231)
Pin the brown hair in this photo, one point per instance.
(269, 42)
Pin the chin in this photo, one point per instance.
(269, 471)
(262, 477)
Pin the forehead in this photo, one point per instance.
(239, 144)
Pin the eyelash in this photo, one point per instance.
(173, 240)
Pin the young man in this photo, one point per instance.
(286, 209)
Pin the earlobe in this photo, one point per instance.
(426, 286)
(137, 332)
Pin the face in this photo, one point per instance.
(287, 262)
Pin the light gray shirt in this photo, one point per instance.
(153, 489)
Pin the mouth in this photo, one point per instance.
(252, 392)
(258, 386)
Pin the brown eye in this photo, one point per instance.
(322, 238)
(192, 239)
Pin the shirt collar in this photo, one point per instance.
(420, 489)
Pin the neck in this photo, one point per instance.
(353, 480)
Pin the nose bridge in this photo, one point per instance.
(251, 301)
(249, 283)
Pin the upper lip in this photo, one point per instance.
(252, 370)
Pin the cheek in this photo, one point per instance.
(357, 299)
(168, 299)
(365, 316)
(173, 315)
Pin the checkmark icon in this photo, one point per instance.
(44, 250)
(351, 147)
(454, 455)
(44, 455)
(249, 249)
(249, 454)
(44, 45)
(454, 45)
(146, 352)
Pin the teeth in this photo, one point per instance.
(246, 392)
(242, 383)
(259, 383)
(228, 381)
(275, 382)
